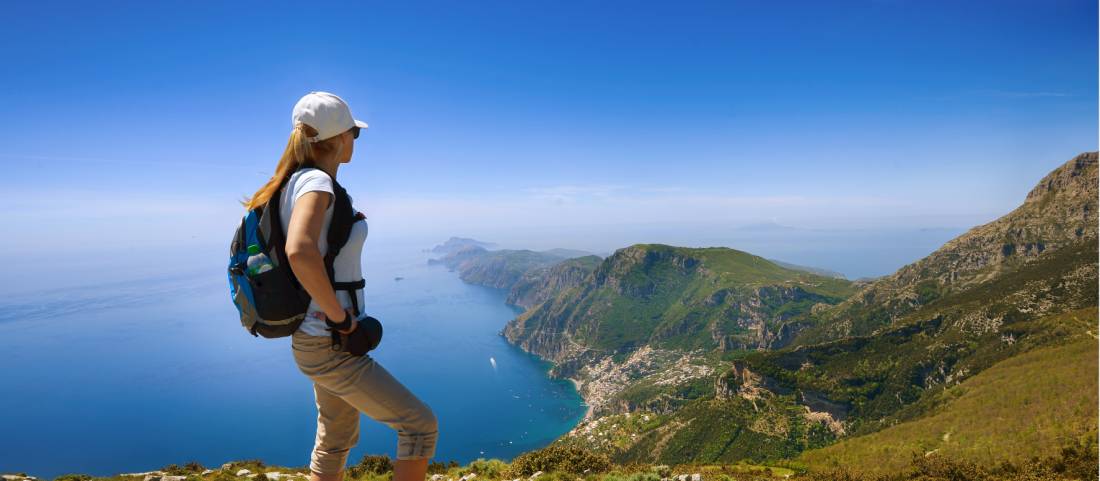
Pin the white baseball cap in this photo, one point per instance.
(325, 112)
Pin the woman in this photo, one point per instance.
(343, 384)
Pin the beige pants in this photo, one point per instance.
(345, 385)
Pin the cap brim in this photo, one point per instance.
(360, 124)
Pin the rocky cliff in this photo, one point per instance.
(540, 284)
(1058, 212)
(673, 298)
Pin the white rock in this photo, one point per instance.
(244, 472)
(276, 476)
(208, 471)
(147, 473)
(535, 475)
(696, 477)
(437, 477)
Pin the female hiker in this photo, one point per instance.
(344, 383)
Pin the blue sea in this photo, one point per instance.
(142, 368)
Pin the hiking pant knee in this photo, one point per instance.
(344, 386)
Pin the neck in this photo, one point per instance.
(330, 167)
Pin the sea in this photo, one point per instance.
(114, 369)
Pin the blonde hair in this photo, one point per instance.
(298, 151)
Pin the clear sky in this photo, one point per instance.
(542, 123)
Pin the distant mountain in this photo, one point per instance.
(813, 270)
(457, 243)
(540, 284)
(499, 269)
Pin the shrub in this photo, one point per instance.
(488, 468)
(254, 465)
(435, 467)
(371, 464)
(662, 470)
(193, 467)
(563, 458)
(73, 477)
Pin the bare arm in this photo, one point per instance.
(305, 257)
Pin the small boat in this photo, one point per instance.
(398, 278)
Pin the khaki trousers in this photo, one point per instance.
(345, 385)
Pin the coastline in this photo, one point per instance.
(587, 406)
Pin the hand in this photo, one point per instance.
(350, 316)
(354, 324)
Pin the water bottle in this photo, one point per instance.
(258, 262)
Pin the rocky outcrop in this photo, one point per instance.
(540, 284)
(1058, 212)
(742, 382)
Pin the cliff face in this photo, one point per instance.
(500, 269)
(540, 284)
(1059, 212)
(673, 298)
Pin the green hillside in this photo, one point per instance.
(717, 356)
(674, 298)
(1027, 405)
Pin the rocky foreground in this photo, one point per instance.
(558, 463)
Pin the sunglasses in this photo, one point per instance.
(355, 132)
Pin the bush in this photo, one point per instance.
(662, 470)
(254, 465)
(440, 468)
(491, 468)
(371, 464)
(193, 467)
(73, 477)
(563, 458)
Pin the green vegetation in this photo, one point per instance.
(1075, 461)
(1024, 406)
(681, 298)
(559, 458)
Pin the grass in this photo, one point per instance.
(1028, 405)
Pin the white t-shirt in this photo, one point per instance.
(346, 266)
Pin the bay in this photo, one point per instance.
(135, 374)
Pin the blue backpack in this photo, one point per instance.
(272, 303)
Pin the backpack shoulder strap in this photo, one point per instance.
(343, 217)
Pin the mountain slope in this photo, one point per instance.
(881, 358)
(1027, 405)
(673, 297)
(1058, 212)
(500, 269)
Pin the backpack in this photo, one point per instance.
(273, 303)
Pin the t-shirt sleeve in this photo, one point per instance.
(313, 180)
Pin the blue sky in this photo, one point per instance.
(579, 124)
